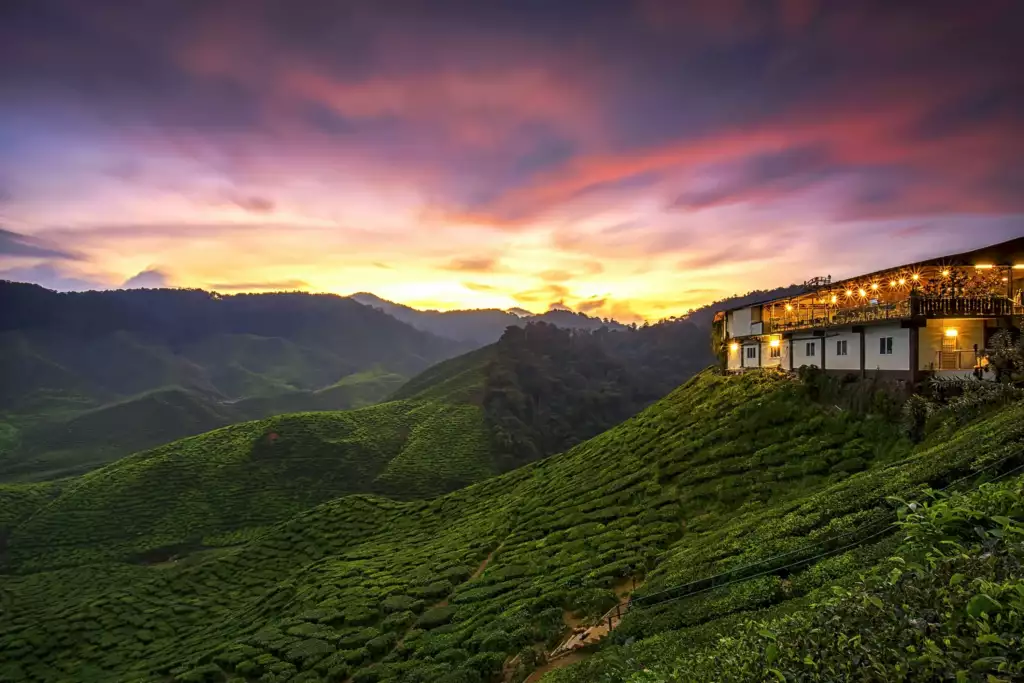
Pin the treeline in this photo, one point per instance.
(548, 388)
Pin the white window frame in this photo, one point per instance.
(810, 349)
(775, 352)
(885, 346)
(842, 349)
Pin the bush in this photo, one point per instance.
(436, 616)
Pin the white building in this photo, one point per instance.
(931, 317)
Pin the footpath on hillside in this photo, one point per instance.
(570, 649)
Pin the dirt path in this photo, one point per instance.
(569, 650)
(483, 565)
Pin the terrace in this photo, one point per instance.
(930, 292)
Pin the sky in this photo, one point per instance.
(629, 159)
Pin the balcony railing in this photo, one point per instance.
(959, 359)
(843, 316)
(914, 306)
(963, 306)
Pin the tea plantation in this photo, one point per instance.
(720, 474)
(225, 485)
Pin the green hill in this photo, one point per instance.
(67, 443)
(722, 473)
(224, 485)
(179, 362)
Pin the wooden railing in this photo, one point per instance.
(962, 306)
(959, 359)
(925, 306)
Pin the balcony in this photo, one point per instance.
(964, 306)
(832, 317)
(915, 306)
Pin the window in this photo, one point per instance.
(840, 347)
(885, 346)
(751, 352)
(775, 352)
(809, 349)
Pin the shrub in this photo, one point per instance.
(435, 616)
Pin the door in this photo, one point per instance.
(949, 356)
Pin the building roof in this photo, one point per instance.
(1010, 252)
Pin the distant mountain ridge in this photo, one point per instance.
(91, 377)
(194, 359)
(482, 325)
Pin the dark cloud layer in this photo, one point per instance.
(15, 245)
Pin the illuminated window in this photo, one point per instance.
(885, 346)
(840, 347)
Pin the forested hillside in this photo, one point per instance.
(537, 391)
(477, 585)
(92, 376)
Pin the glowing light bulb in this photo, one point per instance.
(862, 292)
(734, 347)
(951, 332)
(915, 276)
(836, 298)
(789, 307)
(945, 273)
(874, 285)
(903, 281)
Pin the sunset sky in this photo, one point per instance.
(627, 159)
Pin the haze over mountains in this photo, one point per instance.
(93, 376)
(481, 326)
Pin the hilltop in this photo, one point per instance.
(722, 473)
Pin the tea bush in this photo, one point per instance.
(689, 488)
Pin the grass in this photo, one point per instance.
(722, 472)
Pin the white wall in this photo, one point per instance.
(737, 323)
(851, 361)
(900, 358)
(800, 356)
(733, 357)
(766, 355)
(969, 333)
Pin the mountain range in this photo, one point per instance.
(90, 377)
(480, 326)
